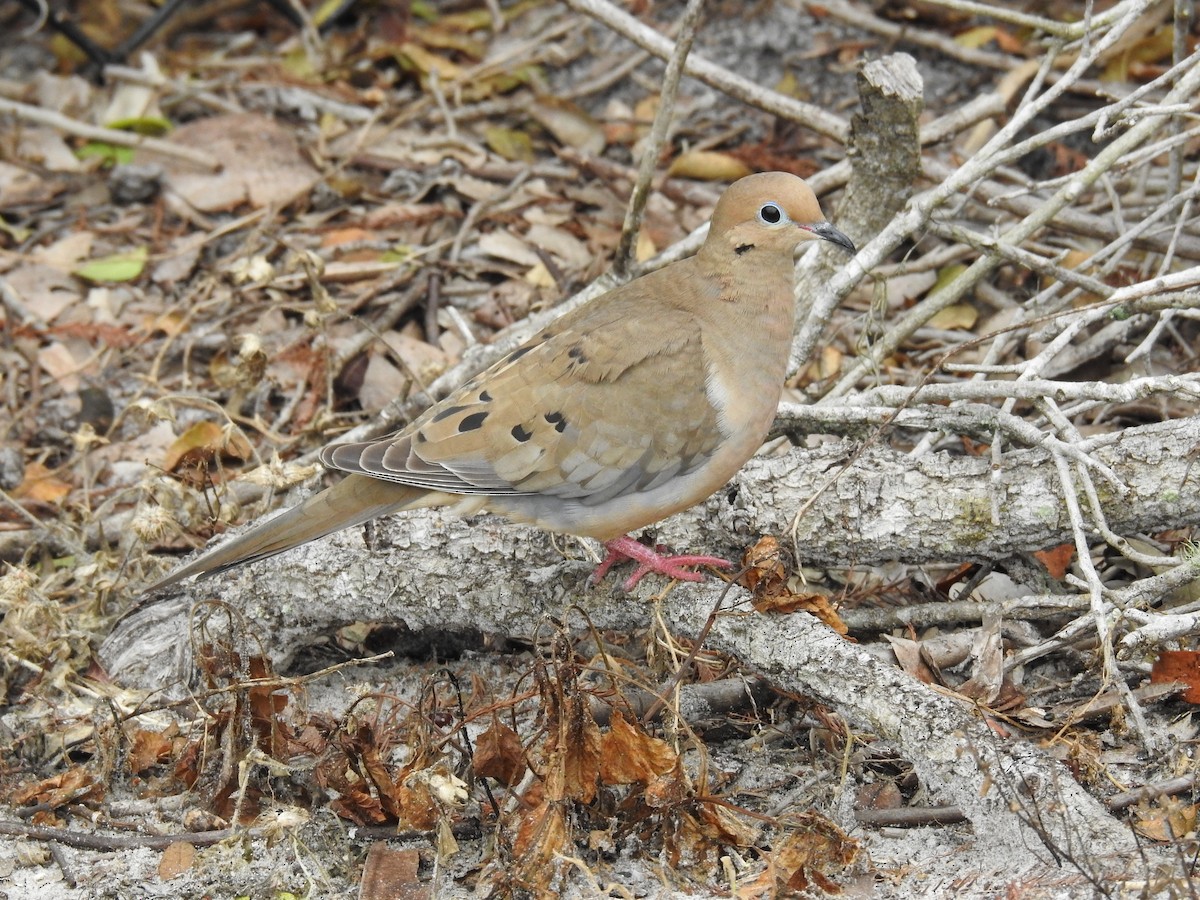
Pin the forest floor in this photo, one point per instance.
(253, 237)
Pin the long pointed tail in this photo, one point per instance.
(353, 500)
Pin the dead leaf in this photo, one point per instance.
(261, 163)
(500, 755)
(708, 165)
(1056, 560)
(176, 859)
(767, 580)
(40, 485)
(60, 364)
(203, 443)
(76, 785)
(148, 748)
(1167, 820)
(569, 124)
(803, 860)
(391, 874)
(513, 145)
(540, 840)
(629, 755)
(956, 317)
(1178, 665)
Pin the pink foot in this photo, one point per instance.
(625, 547)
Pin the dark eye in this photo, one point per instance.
(770, 214)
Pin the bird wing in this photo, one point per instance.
(593, 407)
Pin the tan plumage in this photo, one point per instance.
(634, 407)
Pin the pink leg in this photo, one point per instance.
(648, 561)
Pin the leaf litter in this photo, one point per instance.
(244, 292)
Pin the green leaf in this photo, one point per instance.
(110, 153)
(118, 267)
(151, 126)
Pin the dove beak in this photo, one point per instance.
(827, 232)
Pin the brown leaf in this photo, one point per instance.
(540, 840)
(499, 755)
(628, 755)
(176, 859)
(1056, 560)
(148, 748)
(803, 860)
(202, 443)
(571, 752)
(708, 165)
(1166, 821)
(267, 704)
(40, 486)
(391, 874)
(1178, 665)
(76, 785)
(767, 580)
(261, 163)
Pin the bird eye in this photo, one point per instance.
(770, 214)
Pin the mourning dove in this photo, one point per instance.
(633, 407)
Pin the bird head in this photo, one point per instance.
(771, 211)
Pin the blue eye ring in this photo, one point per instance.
(771, 213)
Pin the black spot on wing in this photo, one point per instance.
(485, 397)
(471, 422)
(521, 434)
(557, 420)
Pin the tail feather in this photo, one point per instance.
(352, 501)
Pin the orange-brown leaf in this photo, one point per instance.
(628, 755)
(148, 748)
(1178, 665)
(176, 859)
(203, 443)
(499, 755)
(1057, 559)
(41, 486)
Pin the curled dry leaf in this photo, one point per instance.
(203, 443)
(804, 859)
(500, 755)
(767, 580)
(76, 785)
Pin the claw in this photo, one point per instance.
(648, 560)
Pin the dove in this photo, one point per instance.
(633, 407)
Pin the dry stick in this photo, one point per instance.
(1127, 799)
(1070, 31)
(1184, 10)
(1099, 608)
(652, 149)
(1185, 387)
(110, 135)
(1148, 591)
(922, 209)
(715, 76)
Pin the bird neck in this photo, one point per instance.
(748, 336)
